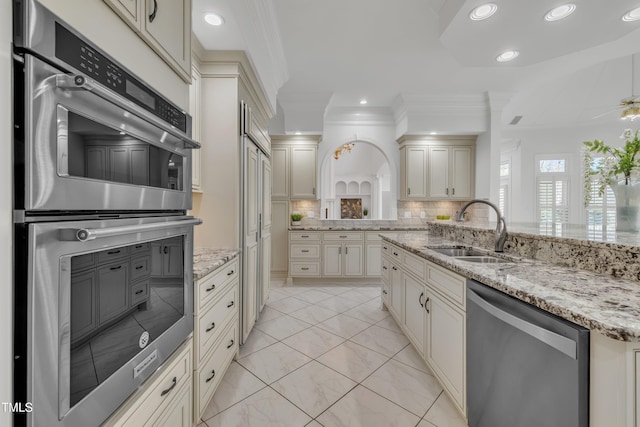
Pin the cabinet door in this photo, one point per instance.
(439, 172)
(303, 172)
(119, 165)
(96, 162)
(332, 259)
(461, 173)
(353, 260)
(280, 235)
(414, 312)
(139, 165)
(113, 291)
(166, 27)
(83, 304)
(373, 259)
(179, 414)
(129, 10)
(397, 298)
(265, 280)
(157, 259)
(250, 288)
(445, 347)
(280, 162)
(416, 173)
(194, 109)
(173, 258)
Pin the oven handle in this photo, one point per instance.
(85, 234)
(79, 81)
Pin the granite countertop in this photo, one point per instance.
(206, 260)
(599, 302)
(358, 228)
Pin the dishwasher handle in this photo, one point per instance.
(560, 343)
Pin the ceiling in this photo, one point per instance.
(418, 58)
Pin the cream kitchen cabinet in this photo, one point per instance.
(195, 107)
(294, 166)
(166, 258)
(305, 253)
(415, 315)
(372, 241)
(165, 25)
(343, 254)
(165, 399)
(437, 168)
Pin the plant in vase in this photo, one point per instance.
(365, 212)
(619, 169)
(296, 218)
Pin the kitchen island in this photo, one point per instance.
(598, 290)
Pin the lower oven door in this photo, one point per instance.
(108, 302)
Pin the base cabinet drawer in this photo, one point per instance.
(155, 401)
(212, 285)
(304, 268)
(304, 251)
(179, 415)
(212, 370)
(212, 322)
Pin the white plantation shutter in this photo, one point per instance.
(601, 211)
(553, 200)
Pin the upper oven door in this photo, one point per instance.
(87, 148)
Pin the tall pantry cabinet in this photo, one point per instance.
(236, 173)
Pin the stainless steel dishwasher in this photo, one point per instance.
(525, 367)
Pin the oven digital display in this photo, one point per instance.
(140, 94)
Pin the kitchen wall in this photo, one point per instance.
(6, 213)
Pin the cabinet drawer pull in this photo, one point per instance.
(384, 292)
(394, 268)
(140, 267)
(384, 267)
(446, 191)
(231, 344)
(453, 191)
(210, 289)
(213, 325)
(116, 268)
(213, 374)
(230, 304)
(304, 251)
(408, 191)
(305, 269)
(113, 252)
(138, 246)
(167, 391)
(385, 248)
(152, 17)
(230, 273)
(139, 292)
(395, 253)
(304, 236)
(420, 299)
(425, 305)
(343, 237)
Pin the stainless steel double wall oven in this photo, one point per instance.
(104, 245)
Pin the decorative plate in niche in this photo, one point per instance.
(351, 208)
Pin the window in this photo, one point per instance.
(601, 210)
(552, 194)
(505, 181)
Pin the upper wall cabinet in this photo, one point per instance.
(165, 25)
(195, 107)
(294, 161)
(437, 168)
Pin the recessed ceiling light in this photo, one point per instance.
(560, 12)
(363, 101)
(433, 133)
(632, 15)
(483, 12)
(507, 56)
(214, 19)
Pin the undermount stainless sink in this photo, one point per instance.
(470, 255)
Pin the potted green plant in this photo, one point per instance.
(296, 218)
(365, 212)
(618, 168)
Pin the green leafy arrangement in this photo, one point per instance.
(296, 217)
(616, 164)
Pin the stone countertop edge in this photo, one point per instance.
(601, 303)
(359, 228)
(206, 260)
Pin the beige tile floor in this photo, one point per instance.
(328, 355)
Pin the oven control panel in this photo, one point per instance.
(90, 61)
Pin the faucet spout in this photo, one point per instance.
(501, 226)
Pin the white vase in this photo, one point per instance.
(296, 222)
(627, 206)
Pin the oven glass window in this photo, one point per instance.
(121, 300)
(99, 152)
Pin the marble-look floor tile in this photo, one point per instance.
(236, 385)
(364, 408)
(282, 327)
(409, 356)
(368, 313)
(356, 296)
(313, 296)
(294, 290)
(265, 408)
(444, 414)
(314, 423)
(313, 314)
(339, 304)
(257, 341)
(390, 323)
(336, 289)
(275, 295)
(381, 340)
(353, 360)
(288, 305)
(313, 387)
(408, 387)
(343, 325)
(268, 313)
(274, 362)
(313, 341)
(369, 291)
